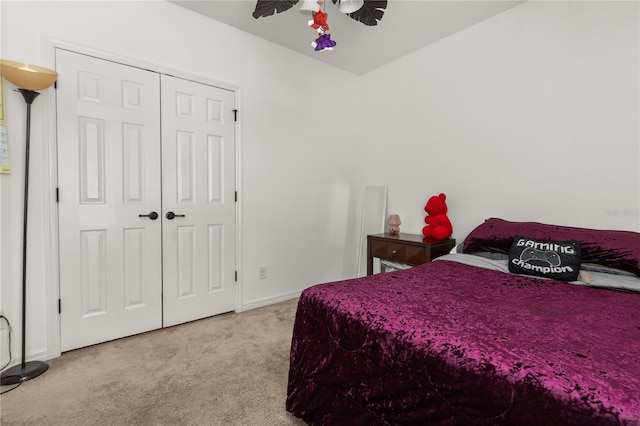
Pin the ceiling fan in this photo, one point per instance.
(369, 12)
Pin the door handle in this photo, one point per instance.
(151, 215)
(171, 215)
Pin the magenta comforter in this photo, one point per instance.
(446, 343)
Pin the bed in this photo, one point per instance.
(470, 339)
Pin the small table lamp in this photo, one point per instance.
(394, 224)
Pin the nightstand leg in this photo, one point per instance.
(369, 259)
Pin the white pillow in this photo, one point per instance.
(609, 280)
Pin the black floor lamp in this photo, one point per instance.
(28, 79)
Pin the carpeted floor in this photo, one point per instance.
(226, 370)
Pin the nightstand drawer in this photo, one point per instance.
(379, 248)
(413, 255)
(405, 248)
(396, 252)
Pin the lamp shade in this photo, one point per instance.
(309, 6)
(394, 224)
(25, 76)
(350, 6)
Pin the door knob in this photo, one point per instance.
(171, 215)
(151, 215)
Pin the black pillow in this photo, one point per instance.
(559, 260)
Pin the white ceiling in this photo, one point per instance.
(406, 26)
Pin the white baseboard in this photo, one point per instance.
(41, 355)
(252, 304)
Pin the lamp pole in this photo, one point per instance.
(28, 79)
(25, 370)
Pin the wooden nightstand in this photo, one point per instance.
(405, 248)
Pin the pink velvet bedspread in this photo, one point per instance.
(451, 344)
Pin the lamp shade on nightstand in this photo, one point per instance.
(394, 224)
(25, 76)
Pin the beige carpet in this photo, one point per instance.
(226, 370)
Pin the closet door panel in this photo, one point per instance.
(198, 181)
(108, 175)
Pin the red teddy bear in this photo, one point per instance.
(438, 224)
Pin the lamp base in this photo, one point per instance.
(17, 374)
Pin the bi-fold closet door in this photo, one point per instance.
(146, 183)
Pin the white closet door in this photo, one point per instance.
(109, 175)
(198, 186)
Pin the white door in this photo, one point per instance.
(108, 175)
(198, 187)
(121, 270)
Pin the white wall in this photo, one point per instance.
(295, 185)
(531, 115)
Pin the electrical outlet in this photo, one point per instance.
(262, 273)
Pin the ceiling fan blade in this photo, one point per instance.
(370, 13)
(269, 7)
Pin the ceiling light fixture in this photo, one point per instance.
(368, 12)
(308, 6)
(350, 6)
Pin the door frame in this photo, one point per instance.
(50, 178)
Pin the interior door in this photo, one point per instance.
(198, 186)
(109, 186)
(146, 176)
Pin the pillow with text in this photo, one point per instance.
(558, 260)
